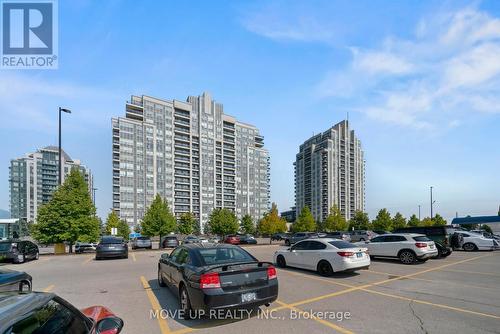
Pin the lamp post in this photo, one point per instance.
(419, 212)
(432, 204)
(60, 162)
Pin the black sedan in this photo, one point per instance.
(110, 247)
(247, 239)
(11, 280)
(208, 276)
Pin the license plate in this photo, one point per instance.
(248, 297)
(360, 254)
(111, 247)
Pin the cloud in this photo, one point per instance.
(31, 102)
(449, 68)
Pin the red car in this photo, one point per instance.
(232, 239)
(46, 313)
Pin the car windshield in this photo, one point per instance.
(422, 238)
(142, 238)
(5, 246)
(341, 244)
(218, 255)
(171, 238)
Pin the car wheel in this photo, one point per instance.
(407, 257)
(160, 279)
(280, 261)
(325, 268)
(37, 255)
(469, 247)
(361, 239)
(185, 303)
(20, 258)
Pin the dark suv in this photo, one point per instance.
(18, 251)
(441, 235)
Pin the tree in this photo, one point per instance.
(413, 221)
(427, 222)
(438, 220)
(186, 223)
(383, 221)
(137, 228)
(305, 221)
(113, 221)
(335, 221)
(223, 222)
(158, 219)
(398, 221)
(247, 225)
(487, 228)
(272, 223)
(69, 216)
(359, 221)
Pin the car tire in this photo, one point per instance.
(280, 261)
(469, 247)
(361, 239)
(20, 259)
(37, 255)
(407, 257)
(161, 282)
(185, 303)
(324, 268)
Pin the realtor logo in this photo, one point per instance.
(29, 34)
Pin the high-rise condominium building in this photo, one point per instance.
(34, 177)
(330, 170)
(192, 154)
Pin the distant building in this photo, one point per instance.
(34, 178)
(290, 216)
(8, 227)
(330, 170)
(191, 153)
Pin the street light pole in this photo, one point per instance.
(432, 204)
(419, 212)
(60, 150)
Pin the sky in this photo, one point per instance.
(420, 81)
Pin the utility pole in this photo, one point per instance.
(419, 211)
(432, 204)
(60, 149)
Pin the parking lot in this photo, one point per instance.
(459, 294)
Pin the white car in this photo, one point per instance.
(475, 241)
(407, 247)
(324, 255)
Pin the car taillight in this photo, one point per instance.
(421, 244)
(345, 254)
(271, 273)
(209, 281)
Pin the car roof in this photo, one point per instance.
(14, 305)
(404, 234)
(207, 245)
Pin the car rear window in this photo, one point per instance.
(142, 238)
(222, 255)
(422, 238)
(341, 244)
(5, 246)
(111, 241)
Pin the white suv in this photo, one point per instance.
(409, 248)
(475, 241)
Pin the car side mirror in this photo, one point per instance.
(110, 325)
(165, 256)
